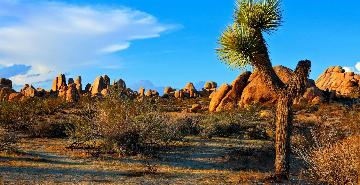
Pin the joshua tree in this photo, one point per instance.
(243, 44)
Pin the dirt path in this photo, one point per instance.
(197, 161)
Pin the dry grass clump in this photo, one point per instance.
(243, 123)
(121, 125)
(26, 116)
(7, 140)
(331, 149)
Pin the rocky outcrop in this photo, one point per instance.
(169, 91)
(141, 92)
(5, 89)
(5, 93)
(190, 91)
(342, 83)
(59, 81)
(29, 91)
(257, 91)
(15, 97)
(179, 94)
(249, 88)
(151, 93)
(5, 83)
(62, 92)
(99, 84)
(78, 84)
(218, 96)
(72, 93)
(231, 99)
(119, 84)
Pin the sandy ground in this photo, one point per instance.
(196, 161)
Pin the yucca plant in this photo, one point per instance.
(242, 44)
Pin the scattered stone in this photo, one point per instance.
(195, 108)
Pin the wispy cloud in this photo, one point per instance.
(54, 37)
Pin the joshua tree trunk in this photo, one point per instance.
(286, 95)
(283, 121)
(283, 132)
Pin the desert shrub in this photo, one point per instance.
(7, 140)
(331, 150)
(34, 116)
(243, 123)
(121, 125)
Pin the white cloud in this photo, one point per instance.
(57, 37)
(348, 69)
(357, 66)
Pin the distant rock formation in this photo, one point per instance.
(100, 83)
(59, 81)
(29, 91)
(72, 93)
(5, 83)
(190, 91)
(343, 83)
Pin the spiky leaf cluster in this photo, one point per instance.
(243, 39)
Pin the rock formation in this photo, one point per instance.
(72, 93)
(249, 88)
(5, 93)
(190, 91)
(343, 83)
(5, 83)
(29, 91)
(15, 97)
(78, 84)
(232, 97)
(218, 96)
(120, 84)
(98, 85)
(59, 81)
(151, 93)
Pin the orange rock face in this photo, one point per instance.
(343, 83)
(218, 96)
(230, 101)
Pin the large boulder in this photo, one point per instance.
(151, 93)
(257, 91)
(5, 83)
(343, 83)
(231, 99)
(218, 96)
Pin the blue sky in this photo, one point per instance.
(159, 42)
